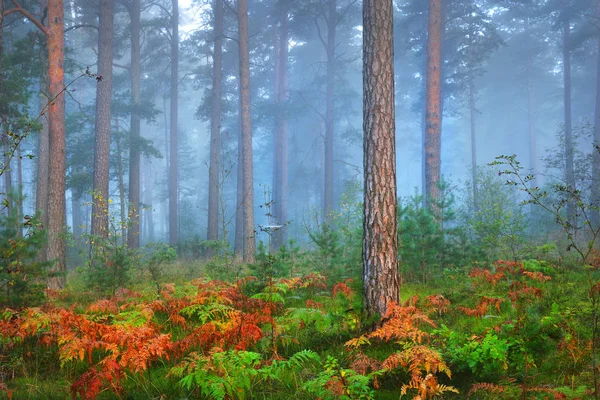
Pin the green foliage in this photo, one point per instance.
(22, 275)
(154, 258)
(335, 382)
(485, 356)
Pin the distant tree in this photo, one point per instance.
(280, 167)
(246, 136)
(103, 120)
(134, 9)
(433, 115)
(380, 240)
(173, 140)
(215, 123)
(595, 219)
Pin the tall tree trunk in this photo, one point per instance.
(76, 214)
(133, 240)
(215, 124)
(280, 188)
(380, 238)
(530, 109)
(330, 111)
(238, 247)
(120, 173)
(43, 160)
(57, 166)
(103, 120)
(148, 200)
(246, 125)
(173, 147)
(473, 113)
(595, 214)
(570, 178)
(433, 126)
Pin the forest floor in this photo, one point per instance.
(514, 330)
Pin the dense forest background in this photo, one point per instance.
(325, 199)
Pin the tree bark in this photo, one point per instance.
(380, 238)
(238, 247)
(173, 146)
(280, 187)
(120, 173)
(215, 124)
(133, 240)
(433, 128)
(530, 110)
(103, 120)
(330, 111)
(57, 165)
(246, 125)
(570, 178)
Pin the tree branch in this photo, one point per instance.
(81, 26)
(27, 15)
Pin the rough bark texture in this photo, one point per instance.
(133, 237)
(103, 120)
(173, 146)
(330, 111)
(246, 122)
(569, 177)
(57, 147)
(380, 239)
(280, 187)
(215, 124)
(595, 214)
(433, 127)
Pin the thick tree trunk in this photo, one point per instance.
(173, 146)
(246, 122)
(280, 187)
(133, 240)
(330, 111)
(380, 238)
(103, 120)
(570, 178)
(57, 166)
(433, 128)
(215, 124)
(238, 247)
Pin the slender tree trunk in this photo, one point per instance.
(473, 113)
(215, 124)
(133, 240)
(103, 120)
(380, 238)
(433, 126)
(595, 214)
(148, 200)
(570, 179)
(120, 173)
(76, 214)
(238, 248)
(173, 147)
(330, 111)
(280, 187)
(57, 166)
(20, 199)
(246, 125)
(530, 110)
